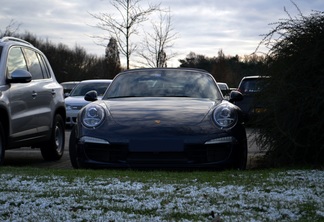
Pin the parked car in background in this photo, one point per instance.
(75, 101)
(250, 86)
(32, 109)
(68, 86)
(224, 89)
(162, 117)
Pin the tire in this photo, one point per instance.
(2, 145)
(53, 151)
(241, 159)
(241, 155)
(73, 150)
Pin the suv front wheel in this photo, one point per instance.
(54, 150)
(2, 145)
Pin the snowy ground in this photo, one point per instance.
(283, 196)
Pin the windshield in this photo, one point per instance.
(253, 85)
(82, 88)
(164, 83)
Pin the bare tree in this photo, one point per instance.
(11, 29)
(131, 14)
(155, 44)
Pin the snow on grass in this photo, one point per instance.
(293, 195)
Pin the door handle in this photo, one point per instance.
(34, 94)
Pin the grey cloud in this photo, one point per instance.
(204, 26)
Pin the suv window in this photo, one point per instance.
(16, 60)
(34, 64)
(43, 64)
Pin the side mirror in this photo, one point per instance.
(20, 76)
(91, 96)
(235, 96)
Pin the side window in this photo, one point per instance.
(16, 60)
(44, 66)
(34, 64)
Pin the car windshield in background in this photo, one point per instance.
(82, 88)
(223, 86)
(253, 85)
(164, 84)
(68, 86)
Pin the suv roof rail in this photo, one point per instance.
(8, 38)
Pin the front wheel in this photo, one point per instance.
(54, 150)
(241, 157)
(73, 150)
(241, 154)
(2, 145)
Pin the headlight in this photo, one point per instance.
(225, 116)
(68, 107)
(93, 115)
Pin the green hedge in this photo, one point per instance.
(292, 128)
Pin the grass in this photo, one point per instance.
(33, 194)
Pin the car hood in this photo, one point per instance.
(160, 111)
(75, 99)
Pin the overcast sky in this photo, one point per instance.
(202, 26)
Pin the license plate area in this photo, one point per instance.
(168, 145)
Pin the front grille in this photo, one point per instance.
(106, 153)
(76, 107)
(157, 158)
(209, 153)
(192, 154)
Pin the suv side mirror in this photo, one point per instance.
(91, 96)
(20, 76)
(235, 96)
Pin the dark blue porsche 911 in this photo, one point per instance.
(160, 117)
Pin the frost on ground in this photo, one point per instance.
(284, 196)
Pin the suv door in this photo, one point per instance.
(21, 100)
(31, 109)
(43, 90)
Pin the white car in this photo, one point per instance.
(75, 101)
(224, 89)
(68, 86)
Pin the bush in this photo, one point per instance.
(292, 127)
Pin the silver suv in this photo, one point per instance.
(32, 108)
